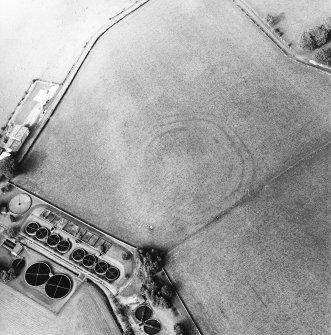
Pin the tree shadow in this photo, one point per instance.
(32, 162)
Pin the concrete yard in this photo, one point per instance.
(179, 112)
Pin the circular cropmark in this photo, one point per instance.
(192, 165)
(37, 274)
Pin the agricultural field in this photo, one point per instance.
(263, 269)
(86, 313)
(295, 16)
(178, 113)
(42, 39)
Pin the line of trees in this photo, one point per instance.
(159, 292)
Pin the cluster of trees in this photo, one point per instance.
(160, 293)
(151, 262)
(13, 231)
(179, 329)
(8, 274)
(323, 56)
(316, 37)
(272, 20)
(8, 167)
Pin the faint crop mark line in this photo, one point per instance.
(169, 123)
(256, 293)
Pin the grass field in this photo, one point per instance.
(86, 313)
(297, 16)
(42, 39)
(263, 269)
(177, 112)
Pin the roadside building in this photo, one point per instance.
(17, 134)
(14, 247)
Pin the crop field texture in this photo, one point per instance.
(86, 313)
(263, 269)
(179, 110)
(296, 16)
(42, 39)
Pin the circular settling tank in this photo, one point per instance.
(101, 267)
(89, 261)
(53, 240)
(78, 255)
(112, 273)
(58, 286)
(63, 246)
(42, 233)
(32, 228)
(20, 203)
(37, 274)
(143, 313)
(152, 327)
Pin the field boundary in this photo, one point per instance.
(63, 87)
(283, 47)
(182, 301)
(250, 196)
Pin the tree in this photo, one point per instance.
(167, 291)
(272, 20)
(12, 274)
(179, 329)
(164, 302)
(13, 231)
(323, 56)
(126, 256)
(8, 167)
(327, 23)
(320, 35)
(307, 41)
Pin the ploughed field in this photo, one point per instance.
(179, 110)
(263, 269)
(86, 313)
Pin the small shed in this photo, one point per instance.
(16, 137)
